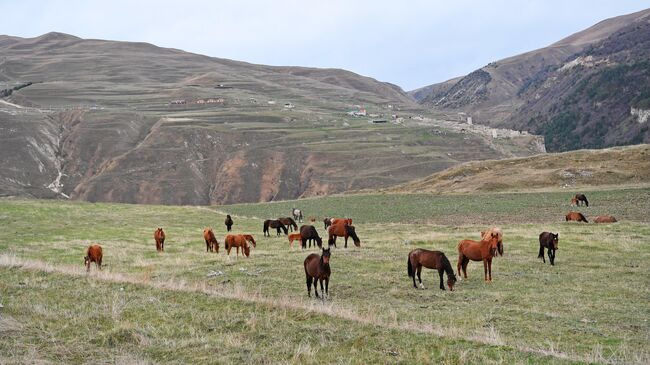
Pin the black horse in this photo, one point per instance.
(549, 241)
(581, 198)
(327, 222)
(309, 233)
(273, 224)
(228, 222)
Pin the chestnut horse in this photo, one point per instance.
(250, 239)
(273, 224)
(605, 219)
(498, 231)
(228, 222)
(432, 260)
(581, 198)
(478, 251)
(159, 237)
(574, 202)
(289, 222)
(575, 216)
(317, 268)
(342, 229)
(341, 220)
(294, 237)
(93, 254)
(548, 240)
(211, 243)
(237, 240)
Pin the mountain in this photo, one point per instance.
(578, 92)
(132, 122)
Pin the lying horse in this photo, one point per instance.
(488, 233)
(289, 222)
(228, 222)
(432, 260)
(297, 214)
(211, 243)
(581, 198)
(549, 241)
(159, 237)
(294, 237)
(575, 216)
(318, 269)
(605, 219)
(237, 240)
(93, 254)
(478, 251)
(342, 229)
(273, 224)
(309, 233)
(250, 239)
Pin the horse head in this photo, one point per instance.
(352, 233)
(451, 281)
(319, 241)
(325, 256)
(555, 238)
(494, 243)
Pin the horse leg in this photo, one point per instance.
(440, 271)
(465, 262)
(490, 268)
(316, 287)
(485, 269)
(346, 241)
(459, 266)
(540, 255)
(419, 271)
(308, 285)
(322, 290)
(162, 246)
(551, 256)
(327, 284)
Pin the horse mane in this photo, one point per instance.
(446, 265)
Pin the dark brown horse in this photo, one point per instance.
(575, 216)
(93, 254)
(289, 222)
(327, 222)
(432, 260)
(581, 198)
(548, 240)
(605, 219)
(237, 240)
(317, 268)
(274, 224)
(159, 237)
(309, 233)
(342, 229)
(211, 243)
(478, 251)
(228, 222)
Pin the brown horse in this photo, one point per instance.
(487, 234)
(581, 198)
(432, 260)
(228, 222)
(605, 219)
(348, 221)
(478, 251)
(159, 237)
(317, 268)
(211, 243)
(289, 222)
(269, 223)
(327, 222)
(250, 239)
(575, 216)
(574, 202)
(548, 240)
(342, 229)
(237, 240)
(294, 237)
(309, 233)
(93, 254)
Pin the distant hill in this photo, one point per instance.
(578, 92)
(619, 166)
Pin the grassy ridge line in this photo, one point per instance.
(239, 294)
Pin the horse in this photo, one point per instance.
(237, 240)
(496, 230)
(211, 243)
(312, 220)
(250, 239)
(294, 237)
(574, 202)
(228, 222)
(581, 198)
(297, 214)
(327, 222)
(317, 268)
(309, 233)
(273, 224)
(93, 254)
(348, 221)
(575, 216)
(289, 222)
(605, 219)
(342, 229)
(548, 240)
(159, 237)
(432, 260)
(477, 251)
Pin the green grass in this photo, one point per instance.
(149, 307)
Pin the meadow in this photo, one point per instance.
(189, 306)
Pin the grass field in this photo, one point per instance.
(146, 307)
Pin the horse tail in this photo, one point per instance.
(540, 255)
(409, 266)
(500, 248)
(266, 227)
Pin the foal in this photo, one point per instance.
(318, 269)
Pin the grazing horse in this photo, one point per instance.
(237, 240)
(327, 222)
(581, 198)
(432, 260)
(575, 216)
(342, 229)
(488, 233)
(297, 214)
(294, 237)
(574, 202)
(250, 239)
(159, 237)
(605, 219)
(548, 240)
(289, 222)
(211, 243)
(273, 224)
(478, 251)
(309, 233)
(317, 268)
(93, 254)
(228, 222)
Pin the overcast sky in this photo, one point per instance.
(409, 43)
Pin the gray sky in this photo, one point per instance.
(409, 43)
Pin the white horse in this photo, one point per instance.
(297, 215)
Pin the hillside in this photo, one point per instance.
(131, 122)
(532, 91)
(619, 166)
